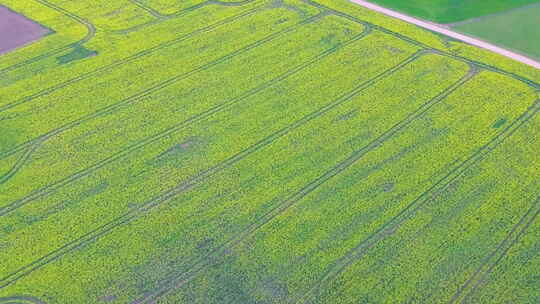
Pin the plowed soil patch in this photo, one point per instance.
(16, 30)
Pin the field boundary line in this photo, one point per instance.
(127, 60)
(294, 199)
(193, 119)
(163, 197)
(479, 276)
(408, 211)
(89, 35)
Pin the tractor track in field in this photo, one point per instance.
(193, 119)
(184, 186)
(479, 276)
(148, 9)
(164, 17)
(19, 163)
(89, 35)
(128, 59)
(206, 261)
(424, 198)
(21, 300)
(160, 15)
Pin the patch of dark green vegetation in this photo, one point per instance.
(78, 53)
(499, 123)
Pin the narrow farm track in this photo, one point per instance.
(190, 183)
(207, 260)
(150, 10)
(21, 300)
(20, 163)
(167, 132)
(408, 212)
(91, 32)
(494, 258)
(450, 33)
(165, 17)
(159, 15)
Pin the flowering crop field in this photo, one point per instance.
(262, 151)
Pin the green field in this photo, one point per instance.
(263, 151)
(517, 29)
(449, 11)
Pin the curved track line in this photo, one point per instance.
(19, 163)
(427, 196)
(182, 187)
(181, 13)
(502, 249)
(127, 60)
(160, 15)
(147, 8)
(21, 300)
(206, 261)
(193, 119)
(89, 35)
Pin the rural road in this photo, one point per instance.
(449, 33)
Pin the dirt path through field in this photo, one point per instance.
(445, 31)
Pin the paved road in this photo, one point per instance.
(450, 33)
